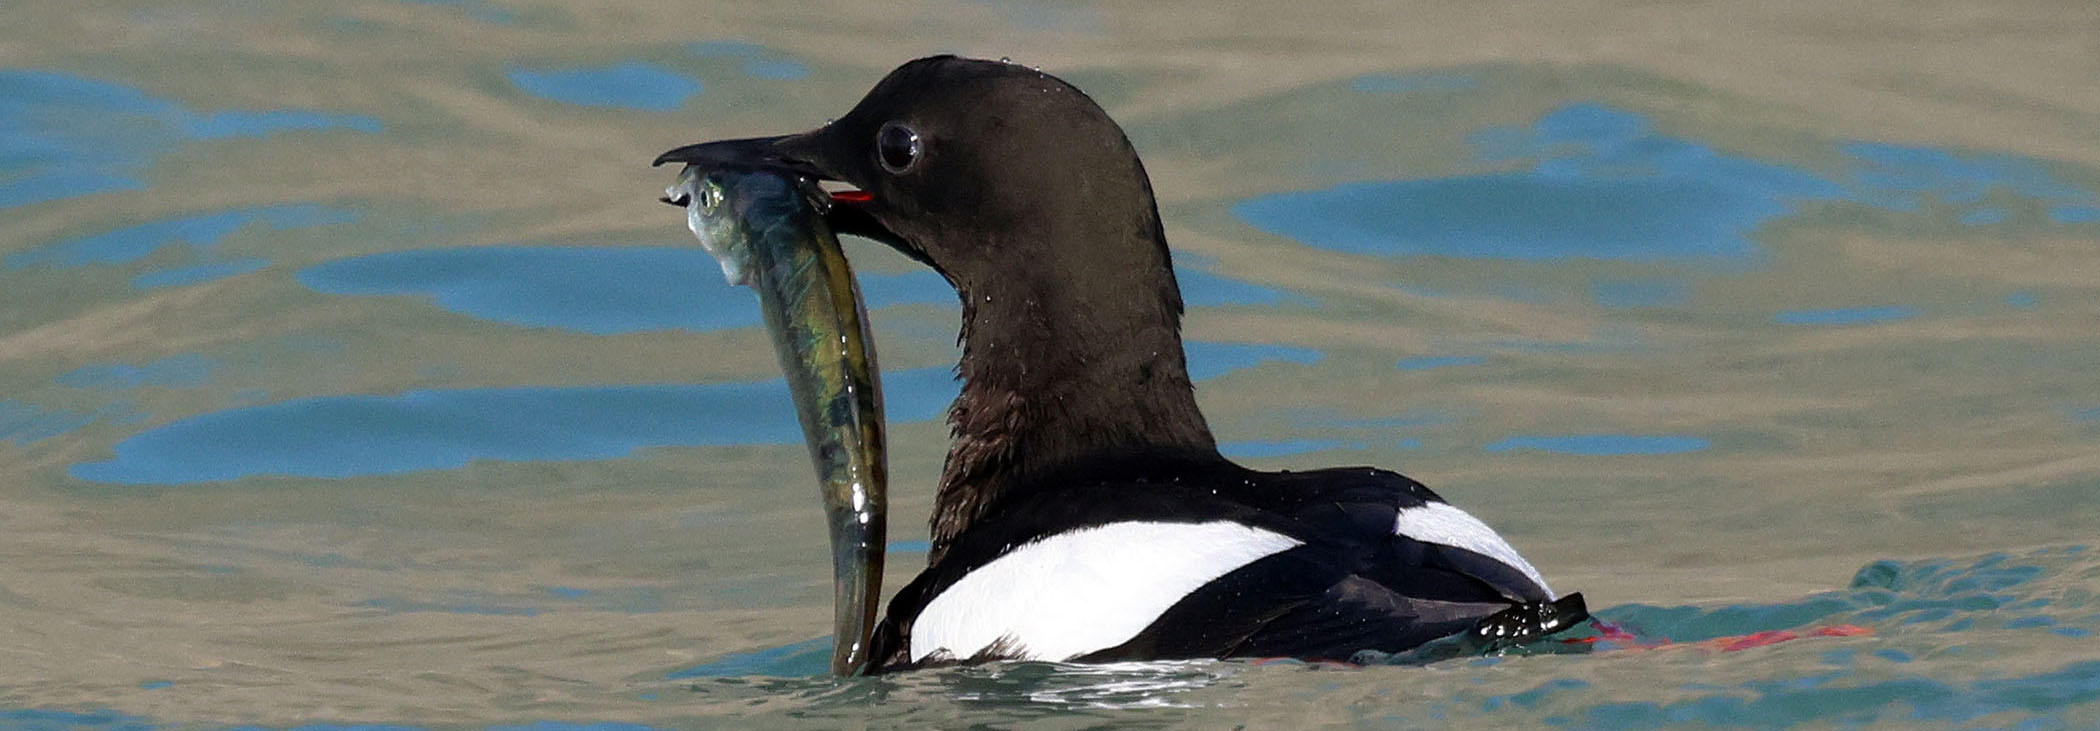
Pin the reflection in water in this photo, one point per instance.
(359, 435)
(626, 85)
(175, 371)
(197, 237)
(63, 136)
(1404, 83)
(1257, 449)
(1602, 444)
(1913, 178)
(476, 9)
(635, 600)
(1601, 184)
(1846, 315)
(1317, 430)
(602, 290)
(100, 720)
(199, 273)
(754, 60)
(132, 243)
(1426, 362)
(1642, 294)
(24, 423)
(802, 659)
(1208, 360)
(1982, 217)
(650, 87)
(598, 290)
(1202, 286)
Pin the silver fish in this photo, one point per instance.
(767, 232)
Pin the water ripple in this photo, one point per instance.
(1601, 185)
(356, 435)
(625, 85)
(63, 135)
(601, 290)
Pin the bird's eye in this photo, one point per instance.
(898, 146)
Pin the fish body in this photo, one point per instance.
(767, 231)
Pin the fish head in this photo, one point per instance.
(729, 209)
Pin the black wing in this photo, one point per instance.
(1354, 586)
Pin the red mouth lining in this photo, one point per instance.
(852, 196)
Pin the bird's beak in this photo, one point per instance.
(789, 154)
(852, 212)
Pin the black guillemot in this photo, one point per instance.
(1084, 513)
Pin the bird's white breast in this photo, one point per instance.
(1074, 593)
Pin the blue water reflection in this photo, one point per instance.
(1594, 182)
(1428, 362)
(1207, 360)
(602, 290)
(1602, 445)
(199, 234)
(1202, 286)
(801, 659)
(31, 719)
(1982, 216)
(1423, 81)
(25, 423)
(199, 274)
(175, 371)
(627, 600)
(1907, 178)
(1329, 419)
(1319, 430)
(1846, 315)
(1271, 448)
(476, 9)
(133, 243)
(358, 435)
(625, 85)
(63, 136)
(1640, 294)
(753, 59)
(457, 606)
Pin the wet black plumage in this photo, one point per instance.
(1077, 409)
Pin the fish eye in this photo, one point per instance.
(898, 146)
(710, 196)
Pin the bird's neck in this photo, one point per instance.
(1064, 380)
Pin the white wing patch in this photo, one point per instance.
(1444, 525)
(1073, 593)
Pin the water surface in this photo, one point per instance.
(350, 373)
